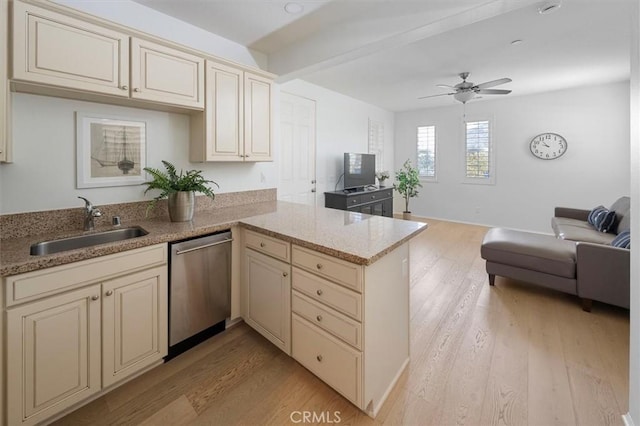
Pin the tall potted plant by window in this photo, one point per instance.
(179, 188)
(408, 182)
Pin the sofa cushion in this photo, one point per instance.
(594, 213)
(605, 220)
(622, 240)
(623, 220)
(579, 233)
(536, 252)
(558, 223)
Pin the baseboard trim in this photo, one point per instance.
(426, 219)
(627, 420)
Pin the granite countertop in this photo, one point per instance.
(354, 237)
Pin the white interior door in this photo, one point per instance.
(297, 174)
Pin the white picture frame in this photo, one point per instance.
(110, 150)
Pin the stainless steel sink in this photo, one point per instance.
(72, 243)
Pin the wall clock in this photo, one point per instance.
(548, 146)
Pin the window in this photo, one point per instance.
(427, 152)
(376, 142)
(478, 152)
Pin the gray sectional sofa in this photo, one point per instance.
(578, 260)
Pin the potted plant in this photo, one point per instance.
(382, 176)
(180, 190)
(408, 184)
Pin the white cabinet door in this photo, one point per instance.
(257, 118)
(268, 284)
(53, 354)
(55, 49)
(224, 124)
(163, 74)
(4, 83)
(134, 323)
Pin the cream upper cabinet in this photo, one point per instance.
(134, 323)
(257, 118)
(237, 122)
(4, 88)
(53, 355)
(55, 49)
(163, 74)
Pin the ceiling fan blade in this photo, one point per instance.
(433, 96)
(445, 86)
(493, 91)
(493, 83)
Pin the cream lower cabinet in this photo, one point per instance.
(5, 119)
(53, 355)
(77, 337)
(269, 298)
(349, 322)
(237, 123)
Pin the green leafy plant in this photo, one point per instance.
(172, 181)
(408, 183)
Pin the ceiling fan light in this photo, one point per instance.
(464, 96)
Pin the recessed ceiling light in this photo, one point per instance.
(549, 7)
(516, 42)
(293, 8)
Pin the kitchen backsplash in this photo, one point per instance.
(33, 223)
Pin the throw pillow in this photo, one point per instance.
(622, 240)
(605, 220)
(593, 213)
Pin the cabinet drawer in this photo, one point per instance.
(267, 245)
(45, 282)
(345, 273)
(329, 320)
(337, 297)
(331, 360)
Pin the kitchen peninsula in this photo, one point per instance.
(329, 287)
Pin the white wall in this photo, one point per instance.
(342, 125)
(43, 175)
(594, 170)
(634, 343)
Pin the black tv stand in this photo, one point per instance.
(378, 201)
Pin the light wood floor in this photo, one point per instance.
(512, 355)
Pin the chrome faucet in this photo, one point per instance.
(89, 214)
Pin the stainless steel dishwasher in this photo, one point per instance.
(199, 290)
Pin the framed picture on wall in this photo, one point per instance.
(110, 151)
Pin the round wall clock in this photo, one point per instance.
(548, 146)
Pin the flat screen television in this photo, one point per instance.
(359, 170)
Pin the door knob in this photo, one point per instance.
(109, 293)
(95, 297)
(285, 274)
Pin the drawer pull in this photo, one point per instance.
(125, 88)
(319, 292)
(354, 201)
(373, 197)
(95, 297)
(109, 292)
(319, 358)
(319, 318)
(262, 244)
(285, 274)
(319, 266)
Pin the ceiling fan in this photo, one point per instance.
(466, 90)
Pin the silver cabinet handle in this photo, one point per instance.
(262, 245)
(136, 89)
(125, 87)
(319, 292)
(285, 274)
(319, 358)
(204, 246)
(319, 266)
(95, 297)
(109, 292)
(319, 318)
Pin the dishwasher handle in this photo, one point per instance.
(179, 252)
